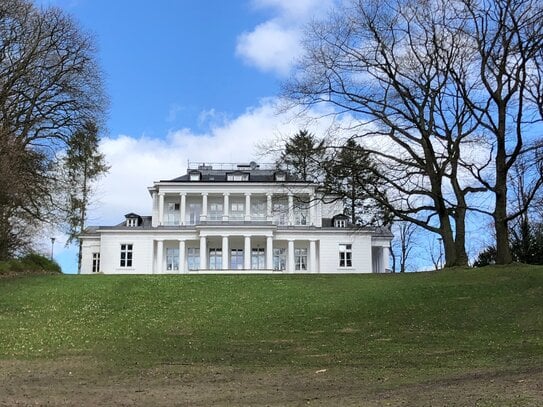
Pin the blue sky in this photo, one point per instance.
(194, 81)
(186, 80)
(167, 62)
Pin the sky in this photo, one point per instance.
(186, 80)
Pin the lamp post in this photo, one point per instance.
(52, 246)
(440, 260)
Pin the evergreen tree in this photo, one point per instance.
(83, 164)
(302, 156)
(352, 176)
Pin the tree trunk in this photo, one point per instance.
(460, 236)
(503, 251)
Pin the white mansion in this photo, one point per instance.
(235, 219)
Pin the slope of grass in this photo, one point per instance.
(423, 324)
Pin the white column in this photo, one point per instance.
(290, 209)
(203, 253)
(159, 256)
(247, 253)
(182, 266)
(161, 208)
(269, 207)
(312, 209)
(203, 216)
(226, 205)
(290, 256)
(269, 252)
(225, 253)
(155, 209)
(385, 259)
(312, 256)
(182, 208)
(247, 206)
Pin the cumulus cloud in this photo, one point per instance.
(274, 45)
(137, 161)
(270, 47)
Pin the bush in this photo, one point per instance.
(31, 263)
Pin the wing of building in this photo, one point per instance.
(236, 218)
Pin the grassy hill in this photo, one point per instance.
(386, 331)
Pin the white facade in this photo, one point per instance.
(238, 220)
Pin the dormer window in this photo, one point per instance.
(340, 223)
(237, 176)
(133, 220)
(195, 176)
(280, 176)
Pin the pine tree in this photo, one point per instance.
(83, 164)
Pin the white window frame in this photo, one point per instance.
(345, 255)
(172, 258)
(96, 262)
(215, 258)
(280, 213)
(340, 223)
(280, 177)
(237, 177)
(258, 258)
(132, 222)
(236, 259)
(216, 211)
(193, 213)
(279, 259)
(193, 258)
(237, 210)
(300, 259)
(126, 255)
(195, 176)
(258, 209)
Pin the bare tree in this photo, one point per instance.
(389, 65)
(439, 89)
(49, 86)
(404, 243)
(504, 96)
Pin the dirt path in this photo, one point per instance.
(80, 382)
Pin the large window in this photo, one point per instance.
(194, 214)
(172, 213)
(172, 259)
(95, 262)
(215, 211)
(279, 259)
(258, 209)
(237, 210)
(193, 258)
(300, 259)
(126, 255)
(280, 213)
(236, 259)
(345, 255)
(258, 259)
(215, 259)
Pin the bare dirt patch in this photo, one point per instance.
(84, 382)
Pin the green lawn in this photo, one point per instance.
(414, 326)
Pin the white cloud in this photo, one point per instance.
(270, 47)
(274, 45)
(137, 161)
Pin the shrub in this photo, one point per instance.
(31, 263)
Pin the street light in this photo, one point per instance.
(52, 246)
